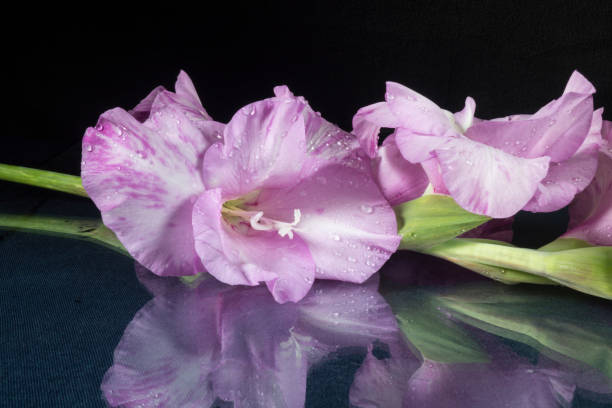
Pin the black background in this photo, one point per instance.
(512, 57)
(62, 71)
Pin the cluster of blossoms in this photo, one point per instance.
(280, 195)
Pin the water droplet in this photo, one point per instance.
(413, 235)
(89, 148)
(389, 96)
(524, 149)
(552, 122)
(336, 314)
(351, 259)
(295, 118)
(469, 162)
(370, 263)
(100, 127)
(367, 209)
(517, 142)
(576, 179)
(336, 237)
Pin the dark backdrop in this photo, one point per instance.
(62, 71)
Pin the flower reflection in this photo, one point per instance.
(190, 346)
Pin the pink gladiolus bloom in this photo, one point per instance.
(591, 211)
(493, 167)
(188, 347)
(278, 195)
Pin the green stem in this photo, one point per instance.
(587, 269)
(78, 228)
(43, 178)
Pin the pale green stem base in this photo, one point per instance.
(584, 268)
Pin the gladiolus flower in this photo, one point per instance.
(278, 195)
(493, 167)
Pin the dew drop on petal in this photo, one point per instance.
(367, 209)
(336, 237)
(89, 148)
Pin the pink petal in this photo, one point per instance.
(557, 130)
(465, 118)
(591, 211)
(487, 181)
(367, 123)
(237, 255)
(349, 227)
(416, 112)
(186, 97)
(264, 146)
(143, 178)
(566, 179)
(434, 174)
(398, 179)
(417, 148)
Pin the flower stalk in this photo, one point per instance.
(78, 228)
(43, 178)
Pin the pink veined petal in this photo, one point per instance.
(236, 254)
(348, 226)
(557, 130)
(143, 178)
(416, 112)
(465, 118)
(398, 179)
(264, 146)
(487, 181)
(367, 123)
(566, 179)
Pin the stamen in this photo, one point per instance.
(257, 226)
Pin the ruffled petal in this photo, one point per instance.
(557, 130)
(487, 181)
(349, 227)
(235, 254)
(398, 179)
(143, 178)
(264, 146)
(367, 123)
(566, 179)
(416, 112)
(417, 148)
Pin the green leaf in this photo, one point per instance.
(79, 228)
(433, 219)
(427, 329)
(43, 178)
(549, 319)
